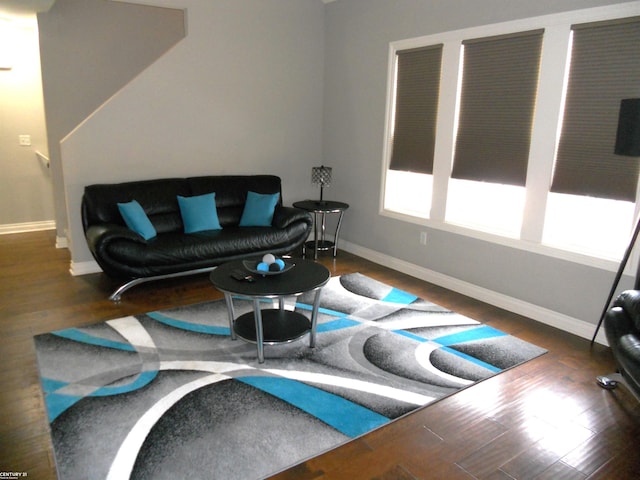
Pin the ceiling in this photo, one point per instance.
(26, 8)
(23, 8)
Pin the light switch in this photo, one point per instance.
(24, 140)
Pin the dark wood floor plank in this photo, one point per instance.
(555, 444)
(546, 419)
(561, 471)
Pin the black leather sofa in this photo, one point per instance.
(124, 254)
(622, 328)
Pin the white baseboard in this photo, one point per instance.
(62, 242)
(84, 268)
(27, 227)
(543, 315)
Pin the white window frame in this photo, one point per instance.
(546, 125)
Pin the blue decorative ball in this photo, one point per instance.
(280, 263)
(262, 267)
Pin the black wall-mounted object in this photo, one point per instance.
(628, 135)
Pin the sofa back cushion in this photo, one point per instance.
(231, 192)
(158, 198)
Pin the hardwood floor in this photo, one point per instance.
(546, 419)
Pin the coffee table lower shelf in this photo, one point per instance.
(323, 245)
(278, 326)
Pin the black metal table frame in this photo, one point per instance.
(300, 323)
(258, 314)
(322, 208)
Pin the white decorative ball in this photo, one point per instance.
(268, 258)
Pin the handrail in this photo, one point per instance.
(43, 158)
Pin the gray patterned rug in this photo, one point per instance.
(169, 395)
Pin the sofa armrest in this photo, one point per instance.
(98, 236)
(283, 217)
(629, 300)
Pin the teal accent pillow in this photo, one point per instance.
(199, 213)
(136, 219)
(258, 211)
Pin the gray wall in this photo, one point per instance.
(89, 50)
(358, 33)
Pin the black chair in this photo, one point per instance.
(622, 327)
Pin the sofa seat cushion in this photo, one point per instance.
(177, 248)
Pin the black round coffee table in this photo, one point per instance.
(271, 325)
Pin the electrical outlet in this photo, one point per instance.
(423, 238)
(24, 140)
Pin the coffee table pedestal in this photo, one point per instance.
(272, 326)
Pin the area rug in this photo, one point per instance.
(169, 395)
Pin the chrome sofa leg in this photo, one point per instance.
(607, 382)
(612, 380)
(117, 294)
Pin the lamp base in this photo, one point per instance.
(321, 201)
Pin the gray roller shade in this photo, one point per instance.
(497, 104)
(605, 68)
(416, 109)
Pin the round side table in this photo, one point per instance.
(322, 208)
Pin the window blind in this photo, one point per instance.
(497, 103)
(605, 68)
(416, 109)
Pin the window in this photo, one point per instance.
(593, 192)
(417, 82)
(497, 103)
(508, 130)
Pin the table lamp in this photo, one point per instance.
(321, 176)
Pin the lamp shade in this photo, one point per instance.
(628, 135)
(321, 176)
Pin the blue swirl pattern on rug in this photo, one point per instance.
(155, 395)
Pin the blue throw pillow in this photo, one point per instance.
(135, 218)
(199, 213)
(258, 211)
